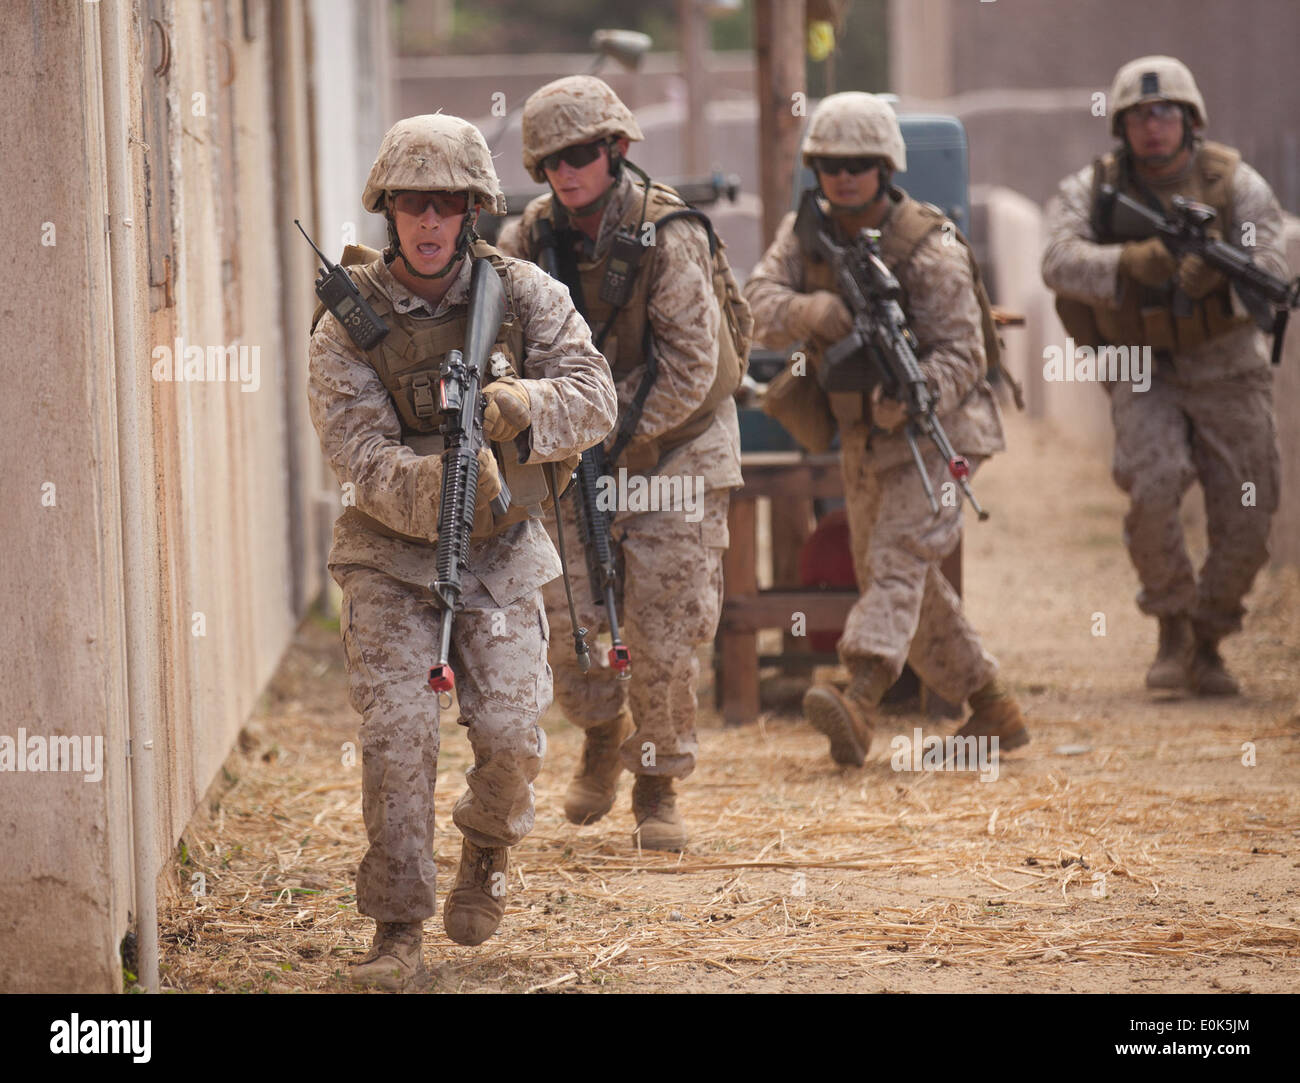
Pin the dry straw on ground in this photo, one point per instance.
(1136, 843)
(795, 867)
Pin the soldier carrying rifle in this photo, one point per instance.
(1208, 413)
(377, 411)
(648, 274)
(907, 611)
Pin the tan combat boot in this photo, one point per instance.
(477, 903)
(1169, 672)
(1209, 676)
(395, 961)
(847, 717)
(995, 713)
(592, 791)
(654, 807)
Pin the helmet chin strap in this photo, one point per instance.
(464, 239)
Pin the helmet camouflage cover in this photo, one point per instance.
(575, 109)
(1154, 78)
(855, 125)
(432, 153)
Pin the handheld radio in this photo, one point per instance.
(340, 295)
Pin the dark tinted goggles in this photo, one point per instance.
(855, 166)
(446, 204)
(578, 156)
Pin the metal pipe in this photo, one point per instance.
(135, 457)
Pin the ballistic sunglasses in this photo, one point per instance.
(577, 156)
(1161, 111)
(446, 204)
(833, 166)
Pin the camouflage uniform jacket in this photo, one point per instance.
(943, 313)
(572, 400)
(684, 321)
(1076, 266)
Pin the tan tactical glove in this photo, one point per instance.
(821, 313)
(887, 414)
(1148, 262)
(641, 455)
(508, 411)
(1196, 278)
(489, 487)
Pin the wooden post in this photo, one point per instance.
(737, 693)
(779, 44)
(693, 34)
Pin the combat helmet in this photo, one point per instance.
(572, 110)
(855, 125)
(1154, 78)
(431, 153)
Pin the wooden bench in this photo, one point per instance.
(791, 481)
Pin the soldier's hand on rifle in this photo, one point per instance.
(1196, 278)
(822, 314)
(1148, 262)
(887, 414)
(508, 411)
(489, 485)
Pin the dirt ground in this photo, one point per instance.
(1133, 846)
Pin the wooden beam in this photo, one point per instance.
(823, 610)
(779, 44)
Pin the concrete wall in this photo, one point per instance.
(161, 577)
(1285, 537)
(63, 840)
(465, 86)
(1007, 230)
(1021, 74)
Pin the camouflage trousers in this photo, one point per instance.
(1223, 435)
(668, 604)
(907, 611)
(390, 634)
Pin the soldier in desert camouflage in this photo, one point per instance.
(907, 611)
(575, 135)
(1208, 412)
(551, 397)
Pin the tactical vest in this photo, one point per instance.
(627, 341)
(407, 360)
(1145, 316)
(909, 224)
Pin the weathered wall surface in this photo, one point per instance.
(218, 96)
(1285, 538)
(63, 839)
(1021, 75)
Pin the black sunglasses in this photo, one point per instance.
(582, 154)
(833, 166)
(446, 204)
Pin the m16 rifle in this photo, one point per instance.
(1185, 231)
(460, 401)
(593, 520)
(880, 350)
